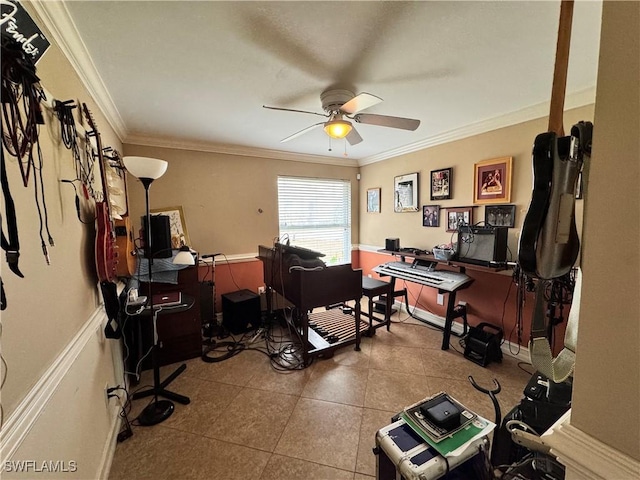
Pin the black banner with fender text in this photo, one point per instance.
(16, 23)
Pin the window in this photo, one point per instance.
(316, 213)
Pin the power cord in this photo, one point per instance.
(127, 431)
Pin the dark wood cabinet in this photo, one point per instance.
(179, 334)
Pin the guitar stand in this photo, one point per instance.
(159, 410)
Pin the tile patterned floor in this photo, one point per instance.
(247, 421)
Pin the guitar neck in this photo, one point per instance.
(561, 66)
(103, 173)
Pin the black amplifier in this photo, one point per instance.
(482, 344)
(482, 245)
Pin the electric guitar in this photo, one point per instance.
(549, 242)
(126, 266)
(105, 249)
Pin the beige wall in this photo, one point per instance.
(48, 308)
(221, 195)
(607, 376)
(515, 141)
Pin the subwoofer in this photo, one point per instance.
(482, 245)
(160, 236)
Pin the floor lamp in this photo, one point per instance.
(147, 170)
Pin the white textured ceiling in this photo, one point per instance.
(199, 72)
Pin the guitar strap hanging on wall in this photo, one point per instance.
(11, 242)
(21, 117)
(112, 307)
(559, 368)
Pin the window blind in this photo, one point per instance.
(316, 213)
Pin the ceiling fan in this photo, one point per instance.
(339, 104)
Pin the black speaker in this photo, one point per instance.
(240, 309)
(392, 244)
(482, 245)
(160, 236)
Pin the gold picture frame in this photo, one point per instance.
(492, 181)
(177, 224)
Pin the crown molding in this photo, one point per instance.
(540, 110)
(58, 21)
(165, 142)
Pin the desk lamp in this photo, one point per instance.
(147, 170)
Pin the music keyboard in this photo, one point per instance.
(444, 280)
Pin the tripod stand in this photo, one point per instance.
(159, 410)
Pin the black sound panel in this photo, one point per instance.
(206, 307)
(160, 236)
(482, 245)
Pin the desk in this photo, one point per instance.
(452, 263)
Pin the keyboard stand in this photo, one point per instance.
(453, 312)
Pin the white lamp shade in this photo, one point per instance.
(145, 167)
(184, 257)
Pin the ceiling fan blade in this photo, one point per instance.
(292, 110)
(353, 137)
(301, 132)
(386, 121)
(360, 102)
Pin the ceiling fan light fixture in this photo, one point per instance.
(337, 128)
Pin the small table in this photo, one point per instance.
(372, 287)
(158, 388)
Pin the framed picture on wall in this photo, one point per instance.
(458, 216)
(179, 235)
(500, 215)
(373, 200)
(441, 184)
(492, 181)
(405, 190)
(431, 215)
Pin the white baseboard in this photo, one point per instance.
(516, 351)
(110, 445)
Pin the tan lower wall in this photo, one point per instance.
(48, 436)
